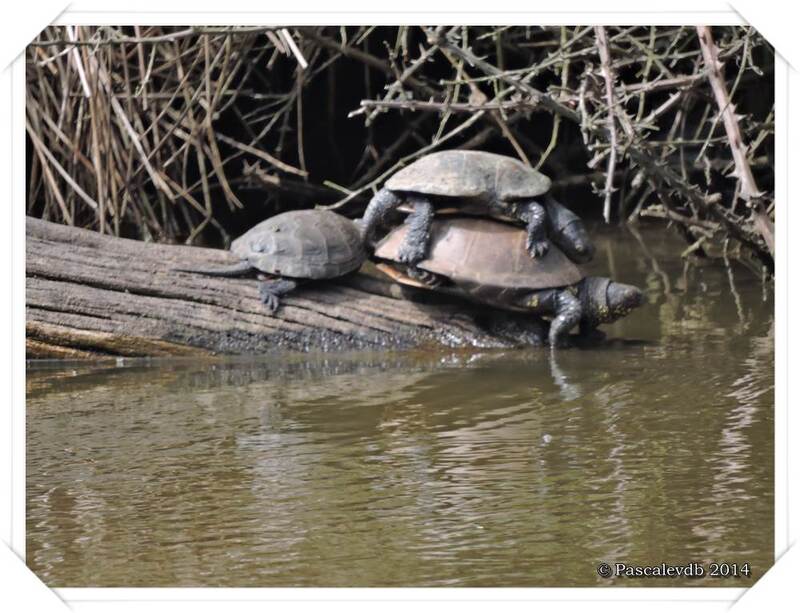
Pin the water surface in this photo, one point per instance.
(467, 468)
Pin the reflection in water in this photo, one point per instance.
(468, 469)
(569, 391)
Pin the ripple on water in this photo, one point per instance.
(491, 469)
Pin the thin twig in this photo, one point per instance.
(605, 62)
(749, 191)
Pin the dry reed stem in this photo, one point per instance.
(158, 132)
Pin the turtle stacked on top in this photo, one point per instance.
(476, 183)
(462, 235)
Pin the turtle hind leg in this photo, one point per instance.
(534, 215)
(270, 292)
(378, 209)
(415, 243)
(568, 314)
(568, 231)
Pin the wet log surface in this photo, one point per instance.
(89, 295)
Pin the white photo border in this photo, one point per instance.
(242, 13)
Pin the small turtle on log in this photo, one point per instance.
(476, 181)
(292, 247)
(486, 261)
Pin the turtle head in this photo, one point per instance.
(622, 299)
(568, 232)
(605, 301)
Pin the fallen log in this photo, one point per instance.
(90, 295)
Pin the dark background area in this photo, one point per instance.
(310, 128)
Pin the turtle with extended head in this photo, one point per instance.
(292, 247)
(476, 182)
(486, 261)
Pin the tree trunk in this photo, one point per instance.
(90, 295)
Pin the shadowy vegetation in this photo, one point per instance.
(188, 134)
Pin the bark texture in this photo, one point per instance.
(90, 295)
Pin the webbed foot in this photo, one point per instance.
(537, 248)
(271, 291)
(411, 252)
(537, 242)
(270, 300)
(415, 244)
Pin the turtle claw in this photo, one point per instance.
(411, 253)
(537, 248)
(270, 301)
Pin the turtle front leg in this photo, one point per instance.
(271, 291)
(415, 243)
(382, 203)
(568, 313)
(534, 215)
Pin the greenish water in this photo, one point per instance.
(511, 468)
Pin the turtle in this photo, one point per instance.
(476, 181)
(486, 262)
(291, 247)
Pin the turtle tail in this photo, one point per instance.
(234, 270)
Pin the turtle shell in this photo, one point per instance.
(309, 244)
(481, 254)
(470, 174)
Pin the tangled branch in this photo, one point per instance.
(170, 133)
